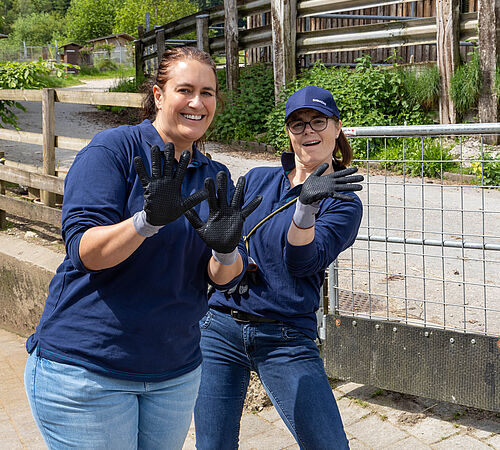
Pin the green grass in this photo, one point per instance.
(122, 72)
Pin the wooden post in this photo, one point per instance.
(160, 43)
(48, 139)
(489, 56)
(231, 38)
(283, 24)
(448, 54)
(3, 218)
(202, 41)
(139, 60)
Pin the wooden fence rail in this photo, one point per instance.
(45, 178)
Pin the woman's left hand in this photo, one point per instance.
(317, 187)
(222, 231)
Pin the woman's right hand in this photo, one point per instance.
(222, 231)
(163, 202)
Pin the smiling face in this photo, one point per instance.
(186, 104)
(311, 147)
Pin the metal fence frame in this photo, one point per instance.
(426, 262)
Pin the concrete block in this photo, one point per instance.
(25, 273)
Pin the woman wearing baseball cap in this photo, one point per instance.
(309, 214)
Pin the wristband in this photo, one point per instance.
(142, 226)
(304, 215)
(226, 259)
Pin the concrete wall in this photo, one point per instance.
(25, 272)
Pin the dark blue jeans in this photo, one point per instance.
(290, 369)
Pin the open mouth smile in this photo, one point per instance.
(310, 143)
(196, 117)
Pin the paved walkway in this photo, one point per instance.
(373, 419)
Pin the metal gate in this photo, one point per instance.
(414, 305)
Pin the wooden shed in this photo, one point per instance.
(117, 40)
(71, 55)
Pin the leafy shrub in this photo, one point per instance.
(244, 111)
(31, 75)
(487, 170)
(465, 84)
(366, 96)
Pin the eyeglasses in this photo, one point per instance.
(317, 124)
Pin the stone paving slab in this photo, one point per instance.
(381, 421)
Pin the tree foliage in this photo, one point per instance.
(39, 28)
(132, 13)
(90, 19)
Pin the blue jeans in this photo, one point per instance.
(76, 408)
(290, 369)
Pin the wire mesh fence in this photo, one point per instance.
(28, 53)
(428, 249)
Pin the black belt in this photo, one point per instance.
(241, 316)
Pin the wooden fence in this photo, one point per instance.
(290, 33)
(329, 37)
(45, 178)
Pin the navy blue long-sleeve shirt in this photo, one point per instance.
(290, 276)
(139, 319)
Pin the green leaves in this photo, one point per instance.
(131, 13)
(89, 19)
(244, 112)
(15, 75)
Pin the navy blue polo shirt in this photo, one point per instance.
(290, 276)
(139, 319)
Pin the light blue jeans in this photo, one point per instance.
(76, 408)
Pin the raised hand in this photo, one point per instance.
(163, 202)
(224, 225)
(317, 187)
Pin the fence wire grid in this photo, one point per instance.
(428, 249)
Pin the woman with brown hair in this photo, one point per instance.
(308, 215)
(115, 360)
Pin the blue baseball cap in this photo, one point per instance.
(312, 97)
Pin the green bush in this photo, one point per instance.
(31, 75)
(465, 84)
(243, 114)
(366, 96)
(487, 170)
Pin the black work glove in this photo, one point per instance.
(222, 231)
(163, 202)
(317, 187)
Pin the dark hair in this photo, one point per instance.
(170, 58)
(342, 154)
